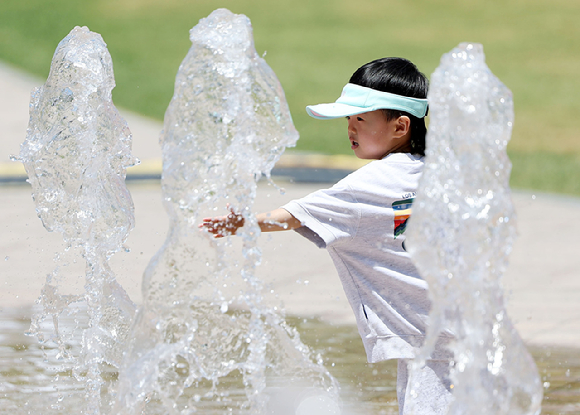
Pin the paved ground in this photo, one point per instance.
(542, 283)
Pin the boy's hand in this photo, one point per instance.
(223, 225)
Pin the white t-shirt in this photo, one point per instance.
(361, 222)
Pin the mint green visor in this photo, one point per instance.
(356, 99)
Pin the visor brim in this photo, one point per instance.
(334, 110)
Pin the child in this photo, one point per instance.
(361, 222)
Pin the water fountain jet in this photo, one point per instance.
(204, 318)
(76, 151)
(462, 231)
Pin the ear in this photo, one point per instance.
(402, 126)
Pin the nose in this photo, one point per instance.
(351, 127)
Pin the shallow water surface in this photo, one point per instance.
(36, 382)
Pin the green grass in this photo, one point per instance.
(314, 46)
(547, 172)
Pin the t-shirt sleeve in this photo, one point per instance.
(329, 216)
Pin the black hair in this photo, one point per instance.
(397, 76)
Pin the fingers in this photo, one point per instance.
(215, 226)
(222, 225)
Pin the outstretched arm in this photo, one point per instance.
(276, 220)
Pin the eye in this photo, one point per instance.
(347, 117)
(359, 119)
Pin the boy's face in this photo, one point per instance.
(372, 137)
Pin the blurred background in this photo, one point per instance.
(533, 46)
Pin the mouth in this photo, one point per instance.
(353, 144)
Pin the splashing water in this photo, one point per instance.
(464, 217)
(203, 321)
(75, 153)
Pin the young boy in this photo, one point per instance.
(361, 222)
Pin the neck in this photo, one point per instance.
(402, 146)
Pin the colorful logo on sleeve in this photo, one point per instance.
(402, 209)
